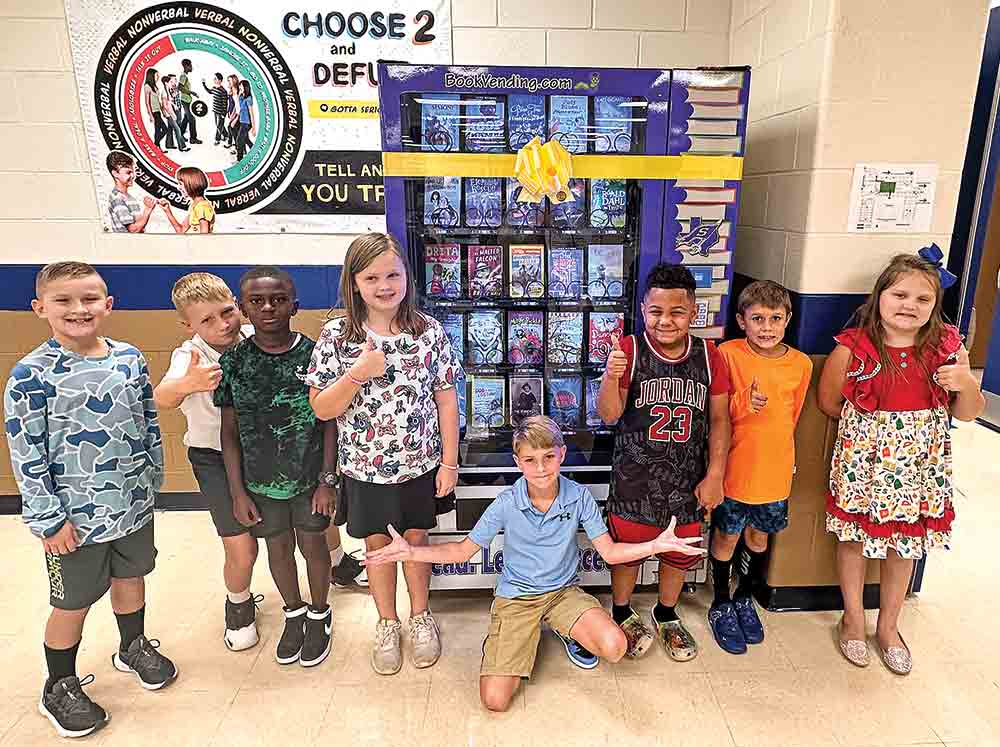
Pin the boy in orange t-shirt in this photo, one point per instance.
(768, 383)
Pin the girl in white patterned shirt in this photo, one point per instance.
(386, 372)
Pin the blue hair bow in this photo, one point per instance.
(934, 255)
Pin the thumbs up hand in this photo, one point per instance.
(370, 363)
(201, 378)
(958, 375)
(617, 361)
(757, 398)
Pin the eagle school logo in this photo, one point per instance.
(162, 35)
(702, 236)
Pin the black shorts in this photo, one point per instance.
(370, 506)
(210, 472)
(78, 579)
(278, 515)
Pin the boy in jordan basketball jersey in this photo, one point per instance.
(668, 391)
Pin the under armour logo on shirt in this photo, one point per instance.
(564, 516)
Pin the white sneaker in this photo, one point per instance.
(425, 640)
(387, 657)
(241, 624)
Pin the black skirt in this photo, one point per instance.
(368, 507)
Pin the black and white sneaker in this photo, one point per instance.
(241, 624)
(292, 637)
(142, 659)
(69, 709)
(346, 572)
(318, 640)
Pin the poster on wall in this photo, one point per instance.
(892, 198)
(255, 116)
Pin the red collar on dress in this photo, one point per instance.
(865, 365)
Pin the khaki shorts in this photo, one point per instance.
(516, 627)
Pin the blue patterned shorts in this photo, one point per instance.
(731, 516)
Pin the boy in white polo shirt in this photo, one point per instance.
(209, 310)
(540, 515)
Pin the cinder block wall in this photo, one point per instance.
(48, 209)
(836, 83)
(606, 33)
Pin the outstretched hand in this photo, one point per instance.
(397, 550)
(670, 542)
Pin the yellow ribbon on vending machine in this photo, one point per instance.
(579, 166)
(543, 170)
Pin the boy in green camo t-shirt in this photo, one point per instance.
(280, 459)
(280, 437)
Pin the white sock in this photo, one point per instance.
(239, 597)
(336, 555)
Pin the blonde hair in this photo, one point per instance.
(198, 287)
(869, 318)
(538, 432)
(64, 271)
(362, 252)
(193, 180)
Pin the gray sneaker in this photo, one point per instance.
(425, 640)
(387, 658)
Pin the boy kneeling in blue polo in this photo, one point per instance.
(539, 515)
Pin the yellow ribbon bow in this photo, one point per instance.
(544, 171)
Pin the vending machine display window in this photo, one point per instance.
(533, 294)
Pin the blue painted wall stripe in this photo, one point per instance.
(147, 287)
(816, 317)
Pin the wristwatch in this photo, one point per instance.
(328, 479)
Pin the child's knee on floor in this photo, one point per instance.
(597, 632)
(612, 643)
(496, 693)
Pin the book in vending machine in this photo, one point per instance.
(540, 289)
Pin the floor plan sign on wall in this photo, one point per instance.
(892, 198)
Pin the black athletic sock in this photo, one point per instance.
(620, 612)
(664, 614)
(751, 571)
(61, 662)
(131, 626)
(721, 573)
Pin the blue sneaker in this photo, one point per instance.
(577, 653)
(750, 624)
(726, 628)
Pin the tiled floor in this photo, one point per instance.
(793, 689)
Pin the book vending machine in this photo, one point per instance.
(532, 294)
